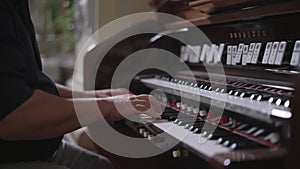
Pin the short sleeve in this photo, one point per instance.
(13, 89)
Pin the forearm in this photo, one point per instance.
(66, 92)
(44, 116)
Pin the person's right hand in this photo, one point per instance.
(123, 106)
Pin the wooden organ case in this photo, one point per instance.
(258, 43)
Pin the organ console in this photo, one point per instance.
(258, 45)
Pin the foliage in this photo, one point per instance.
(54, 24)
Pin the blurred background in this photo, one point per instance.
(63, 26)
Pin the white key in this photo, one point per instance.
(233, 56)
(296, 54)
(273, 54)
(256, 53)
(194, 54)
(245, 53)
(239, 53)
(205, 50)
(202, 145)
(184, 55)
(250, 53)
(240, 105)
(229, 55)
(267, 53)
(280, 53)
(219, 53)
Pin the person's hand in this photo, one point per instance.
(123, 106)
(111, 92)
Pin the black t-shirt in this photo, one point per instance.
(20, 74)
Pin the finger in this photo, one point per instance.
(148, 110)
(153, 113)
(141, 108)
(140, 101)
(154, 104)
(155, 108)
(145, 110)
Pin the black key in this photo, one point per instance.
(204, 85)
(204, 126)
(263, 97)
(186, 122)
(246, 93)
(247, 145)
(254, 96)
(218, 133)
(172, 118)
(232, 138)
(280, 100)
(237, 143)
(198, 123)
(169, 113)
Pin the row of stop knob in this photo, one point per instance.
(190, 109)
(145, 133)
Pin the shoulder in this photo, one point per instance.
(6, 9)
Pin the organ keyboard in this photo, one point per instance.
(260, 55)
(260, 59)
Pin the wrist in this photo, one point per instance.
(106, 109)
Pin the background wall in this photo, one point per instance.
(110, 10)
(63, 27)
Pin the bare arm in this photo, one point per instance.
(46, 116)
(66, 92)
